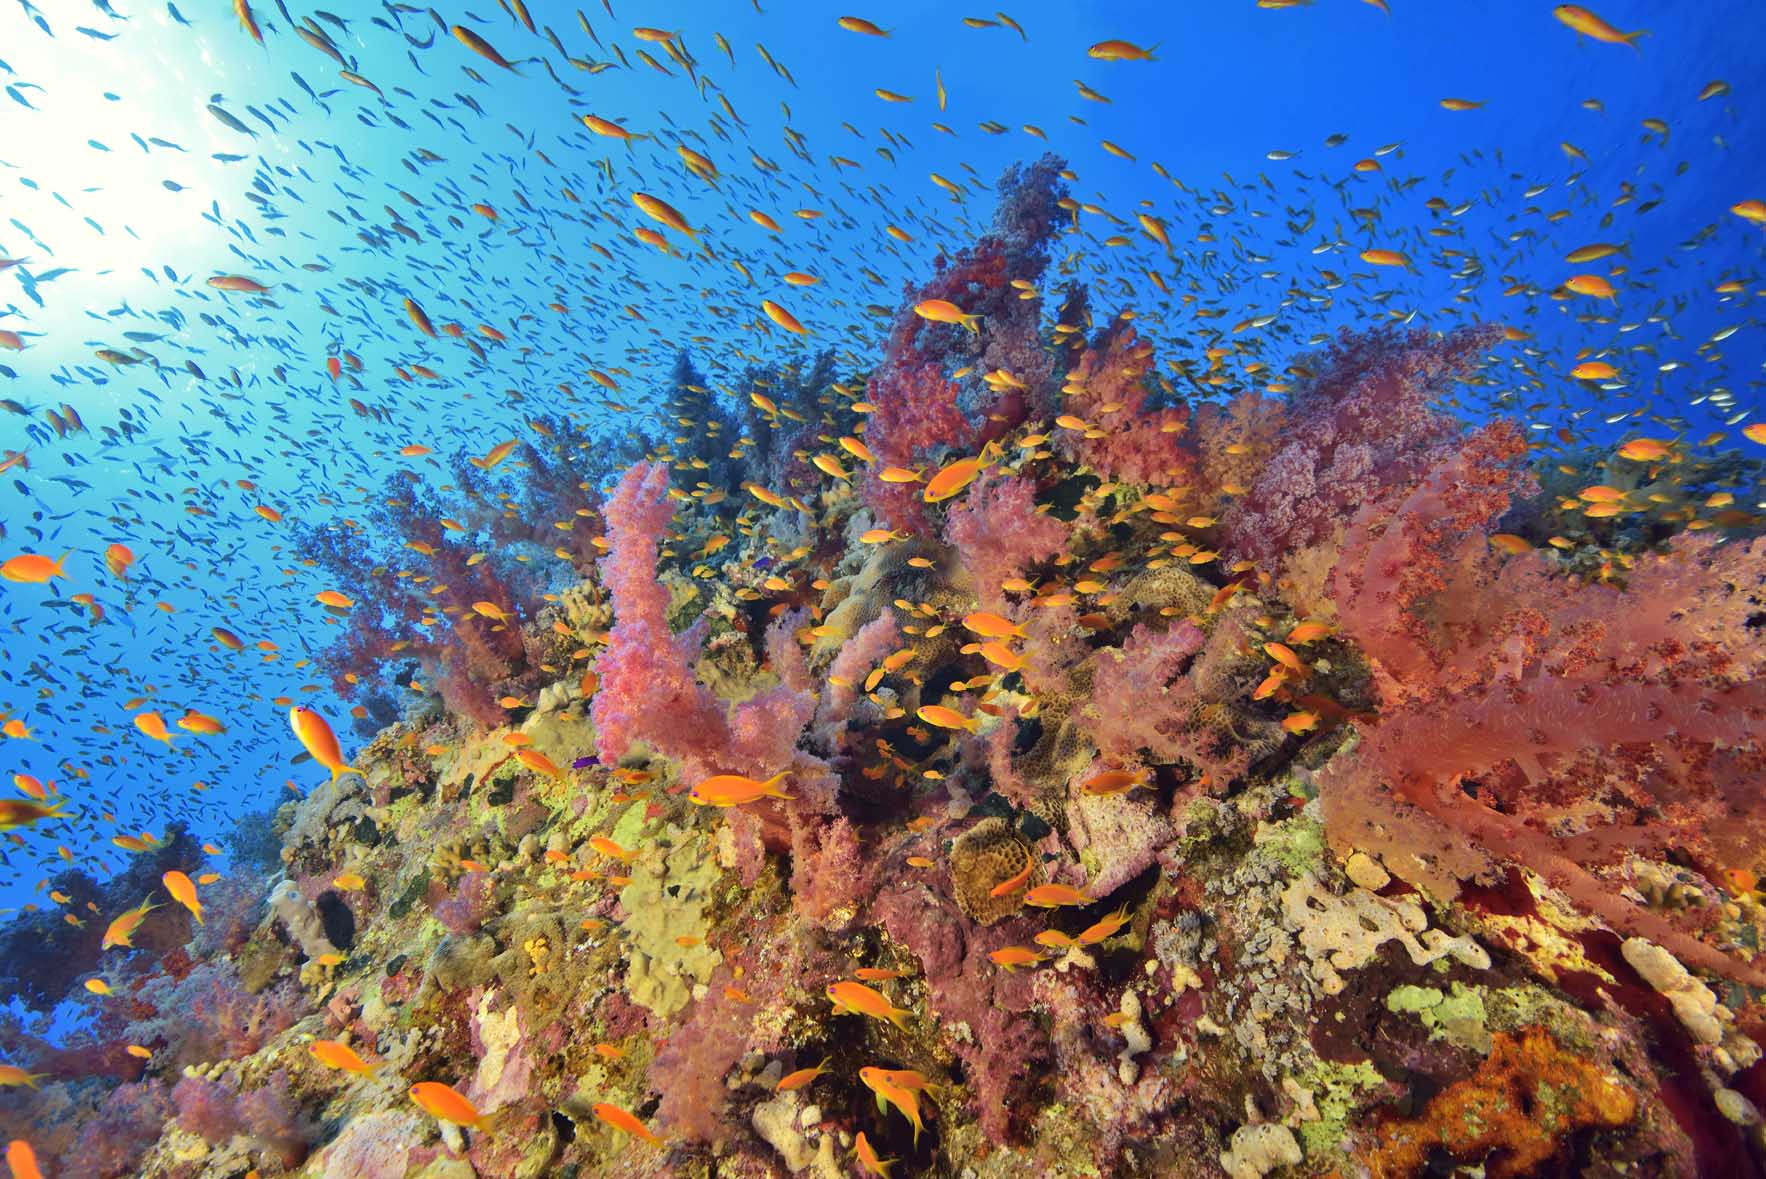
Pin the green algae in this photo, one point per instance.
(1337, 1090)
(1457, 1015)
(1297, 845)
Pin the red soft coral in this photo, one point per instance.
(1644, 705)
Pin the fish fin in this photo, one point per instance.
(342, 770)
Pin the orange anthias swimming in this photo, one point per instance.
(319, 740)
(444, 1104)
(855, 998)
(736, 790)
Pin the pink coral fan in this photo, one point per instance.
(998, 534)
(1513, 700)
(1107, 389)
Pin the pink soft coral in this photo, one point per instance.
(998, 533)
(647, 690)
(1514, 699)
(1362, 431)
(1107, 389)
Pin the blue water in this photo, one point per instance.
(122, 233)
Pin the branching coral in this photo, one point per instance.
(921, 411)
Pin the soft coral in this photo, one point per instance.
(1522, 689)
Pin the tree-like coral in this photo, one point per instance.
(922, 412)
(1518, 704)
(998, 534)
(648, 690)
(1123, 437)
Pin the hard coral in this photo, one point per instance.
(982, 858)
(1514, 1114)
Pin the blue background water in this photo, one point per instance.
(121, 234)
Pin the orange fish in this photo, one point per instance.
(993, 626)
(736, 790)
(1014, 883)
(479, 46)
(947, 718)
(1012, 957)
(802, 1077)
(624, 1121)
(1104, 929)
(534, 760)
(32, 568)
(855, 998)
(660, 210)
(154, 725)
(944, 311)
(118, 558)
(443, 1103)
(889, 1093)
(868, 1159)
(319, 740)
(953, 477)
(1053, 896)
(782, 317)
(1115, 782)
(183, 890)
(20, 1158)
(338, 1055)
(119, 931)
(1590, 25)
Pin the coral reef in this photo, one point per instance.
(1196, 790)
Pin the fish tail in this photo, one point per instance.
(899, 1018)
(770, 787)
(339, 771)
(1631, 39)
(971, 322)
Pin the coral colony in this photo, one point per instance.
(1048, 778)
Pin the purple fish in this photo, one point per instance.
(583, 763)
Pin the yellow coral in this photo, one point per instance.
(538, 950)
